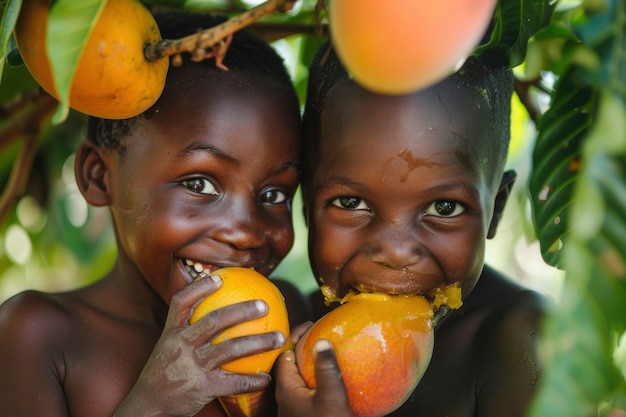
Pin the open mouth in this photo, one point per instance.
(197, 269)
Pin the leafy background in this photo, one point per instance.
(564, 232)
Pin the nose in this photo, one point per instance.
(396, 247)
(241, 226)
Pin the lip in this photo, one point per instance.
(390, 281)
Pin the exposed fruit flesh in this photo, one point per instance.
(383, 345)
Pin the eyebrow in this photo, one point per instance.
(203, 147)
(455, 187)
(291, 164)
(340, 180)
(213, 150)
(443, 188)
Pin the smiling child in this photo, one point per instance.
(400, 194)
(202, 180)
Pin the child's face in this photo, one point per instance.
(403, 195)
(209, 179)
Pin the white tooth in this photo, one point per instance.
(188, 262)
(198, 267)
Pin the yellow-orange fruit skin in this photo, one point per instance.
(245, 284)
(383, 345)
(400, 46)
(113, 80)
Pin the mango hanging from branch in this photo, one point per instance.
(112, 78)
(123, 64)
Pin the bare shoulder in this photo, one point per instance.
(33, 329)
(507, 343)
(33, 314)
(501, 300)
(505, 316)
(497, 306)
(32, 324)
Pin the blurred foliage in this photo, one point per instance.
(569, 141)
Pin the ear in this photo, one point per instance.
(506, 185)
(91, 170)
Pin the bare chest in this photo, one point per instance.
(102, 363)
(449, 386)
(102, 360)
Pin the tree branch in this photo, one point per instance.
(202, 45)
(28, 123)
(274, 31)
(27, 111)
(522, 89)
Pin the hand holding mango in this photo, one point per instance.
(383, 345)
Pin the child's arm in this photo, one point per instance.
(183, 372)
(38, 343)
(295, 399)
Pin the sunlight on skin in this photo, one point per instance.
(48, 268)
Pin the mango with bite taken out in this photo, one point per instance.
(383, 345)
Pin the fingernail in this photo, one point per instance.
(215, 278)
(322, 345)
(280, 339)
(260, 306)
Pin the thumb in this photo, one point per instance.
(331, 393)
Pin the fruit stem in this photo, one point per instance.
(439, 314)
(199, 43)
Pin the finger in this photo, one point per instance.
(183, 302)
(231, 383)
(216, 321)
(290, 386)
(286, 371)
(239, 347)
(299, 330)
(331, 393)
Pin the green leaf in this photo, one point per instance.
(556, 163)
(585, 128)
(514, 23)
(13, 57)
(604, 34)
(69, 25)
(9, 14)
(564, 128)
(580, 372)
(200, 4)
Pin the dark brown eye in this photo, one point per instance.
(350, 203)
(200, 186)
(445, 208)
(273, 197)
